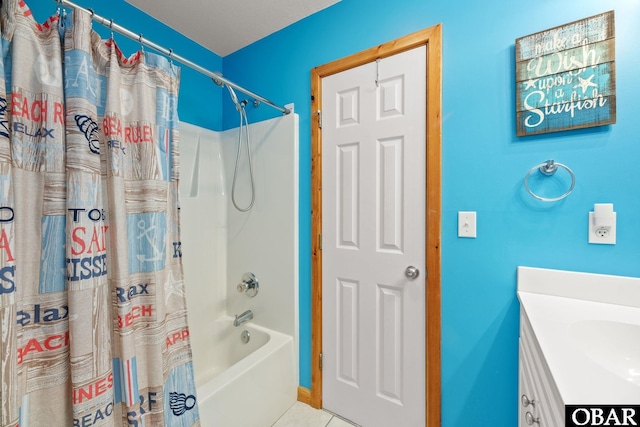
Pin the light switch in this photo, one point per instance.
(467, 224)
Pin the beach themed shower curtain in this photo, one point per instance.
(92, 304)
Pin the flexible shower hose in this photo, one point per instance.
(243, 119)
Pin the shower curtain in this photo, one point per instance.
(92, 303)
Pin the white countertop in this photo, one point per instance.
(573, 333)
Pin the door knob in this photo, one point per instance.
(411, 272)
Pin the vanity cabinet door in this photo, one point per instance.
(527, 397)
(548, 408)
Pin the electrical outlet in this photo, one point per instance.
(602, 235)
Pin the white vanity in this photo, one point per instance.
(579, 343)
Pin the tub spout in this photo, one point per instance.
(243, 318)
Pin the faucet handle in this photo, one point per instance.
(249, 285)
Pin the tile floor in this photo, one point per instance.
(303, 415)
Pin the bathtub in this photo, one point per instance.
(244, 385)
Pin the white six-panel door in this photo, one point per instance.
(373, 229)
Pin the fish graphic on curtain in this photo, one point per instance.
(92, 304)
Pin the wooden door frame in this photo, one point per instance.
(432, 39)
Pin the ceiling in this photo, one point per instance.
(224, 26)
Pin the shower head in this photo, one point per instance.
(232, 92)
(234, 98)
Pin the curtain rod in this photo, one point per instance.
(217, 77)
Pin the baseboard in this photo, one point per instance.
(304, 395)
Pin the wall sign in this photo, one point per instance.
(566, 77)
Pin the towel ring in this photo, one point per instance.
(548, 168)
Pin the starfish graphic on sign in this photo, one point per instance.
(585, 83)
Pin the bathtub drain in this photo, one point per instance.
(245, 336)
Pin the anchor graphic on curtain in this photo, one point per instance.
(158, 254)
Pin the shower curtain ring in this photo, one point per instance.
(111, 27)
(171, 59)
(140, 40)
(61, 13)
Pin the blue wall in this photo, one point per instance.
(483, 166)
(483, 163)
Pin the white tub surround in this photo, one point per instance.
(587, 329)
(203, 212)
(264, 240)
(238, 384)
